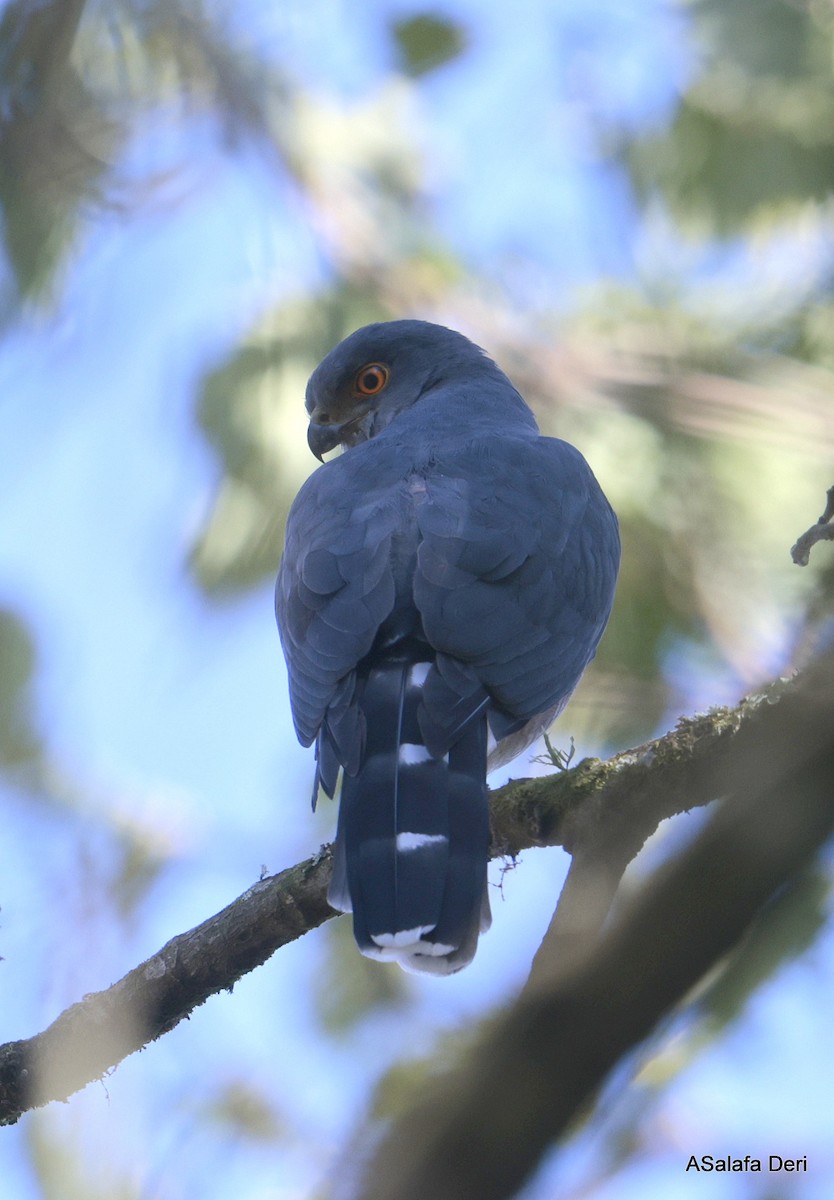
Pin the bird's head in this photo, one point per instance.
(370, 377)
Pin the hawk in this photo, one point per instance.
(445, 582)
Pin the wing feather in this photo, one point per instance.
(516, 569)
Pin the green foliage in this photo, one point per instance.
(54, 139)
(350, 987)
(242, 1110)
(69, 79)
(426, 41)
(787, 928)
(753, 135)
(361, 185)
(19, 742)
(248, 409)
(724, 162)
(61, 1173)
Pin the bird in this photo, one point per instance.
(445, 581)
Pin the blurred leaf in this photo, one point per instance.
(61, 1172)
(247, 410)
(723, 165)
(785, 930)
(139, 856)
(398, 1086)
(362, 182)
(754, 134)
(426, 41)
(810, 335)
(766, 37)
(352, 987)
(246, 1111)
(54, 138)
(210, 64)
(19, 742)
(63, 80)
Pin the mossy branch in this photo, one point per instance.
(480, 1128)
(593, 805)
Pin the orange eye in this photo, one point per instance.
(371, 379)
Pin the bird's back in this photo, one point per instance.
(448, 577)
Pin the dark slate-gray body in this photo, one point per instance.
(459, 530)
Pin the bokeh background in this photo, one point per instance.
(629, 205)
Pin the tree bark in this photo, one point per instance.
(483, 1127)
(594, 810)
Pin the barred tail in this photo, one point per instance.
(413, 834)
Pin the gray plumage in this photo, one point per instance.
(451, 571)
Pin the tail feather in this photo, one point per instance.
(413, 835)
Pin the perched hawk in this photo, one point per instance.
(444, 584)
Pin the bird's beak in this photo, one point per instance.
(321, 438)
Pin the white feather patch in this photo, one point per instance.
(416, 841)
(405, 937)
(417, 956)
(425, 964)
(433, 950)
(417, 674)
(413, 752)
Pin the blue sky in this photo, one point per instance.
(172, 711)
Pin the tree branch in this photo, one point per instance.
(592, 809)
(95, 1034)
(821, 531)
(480, 1129)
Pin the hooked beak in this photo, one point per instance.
(321, 438)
